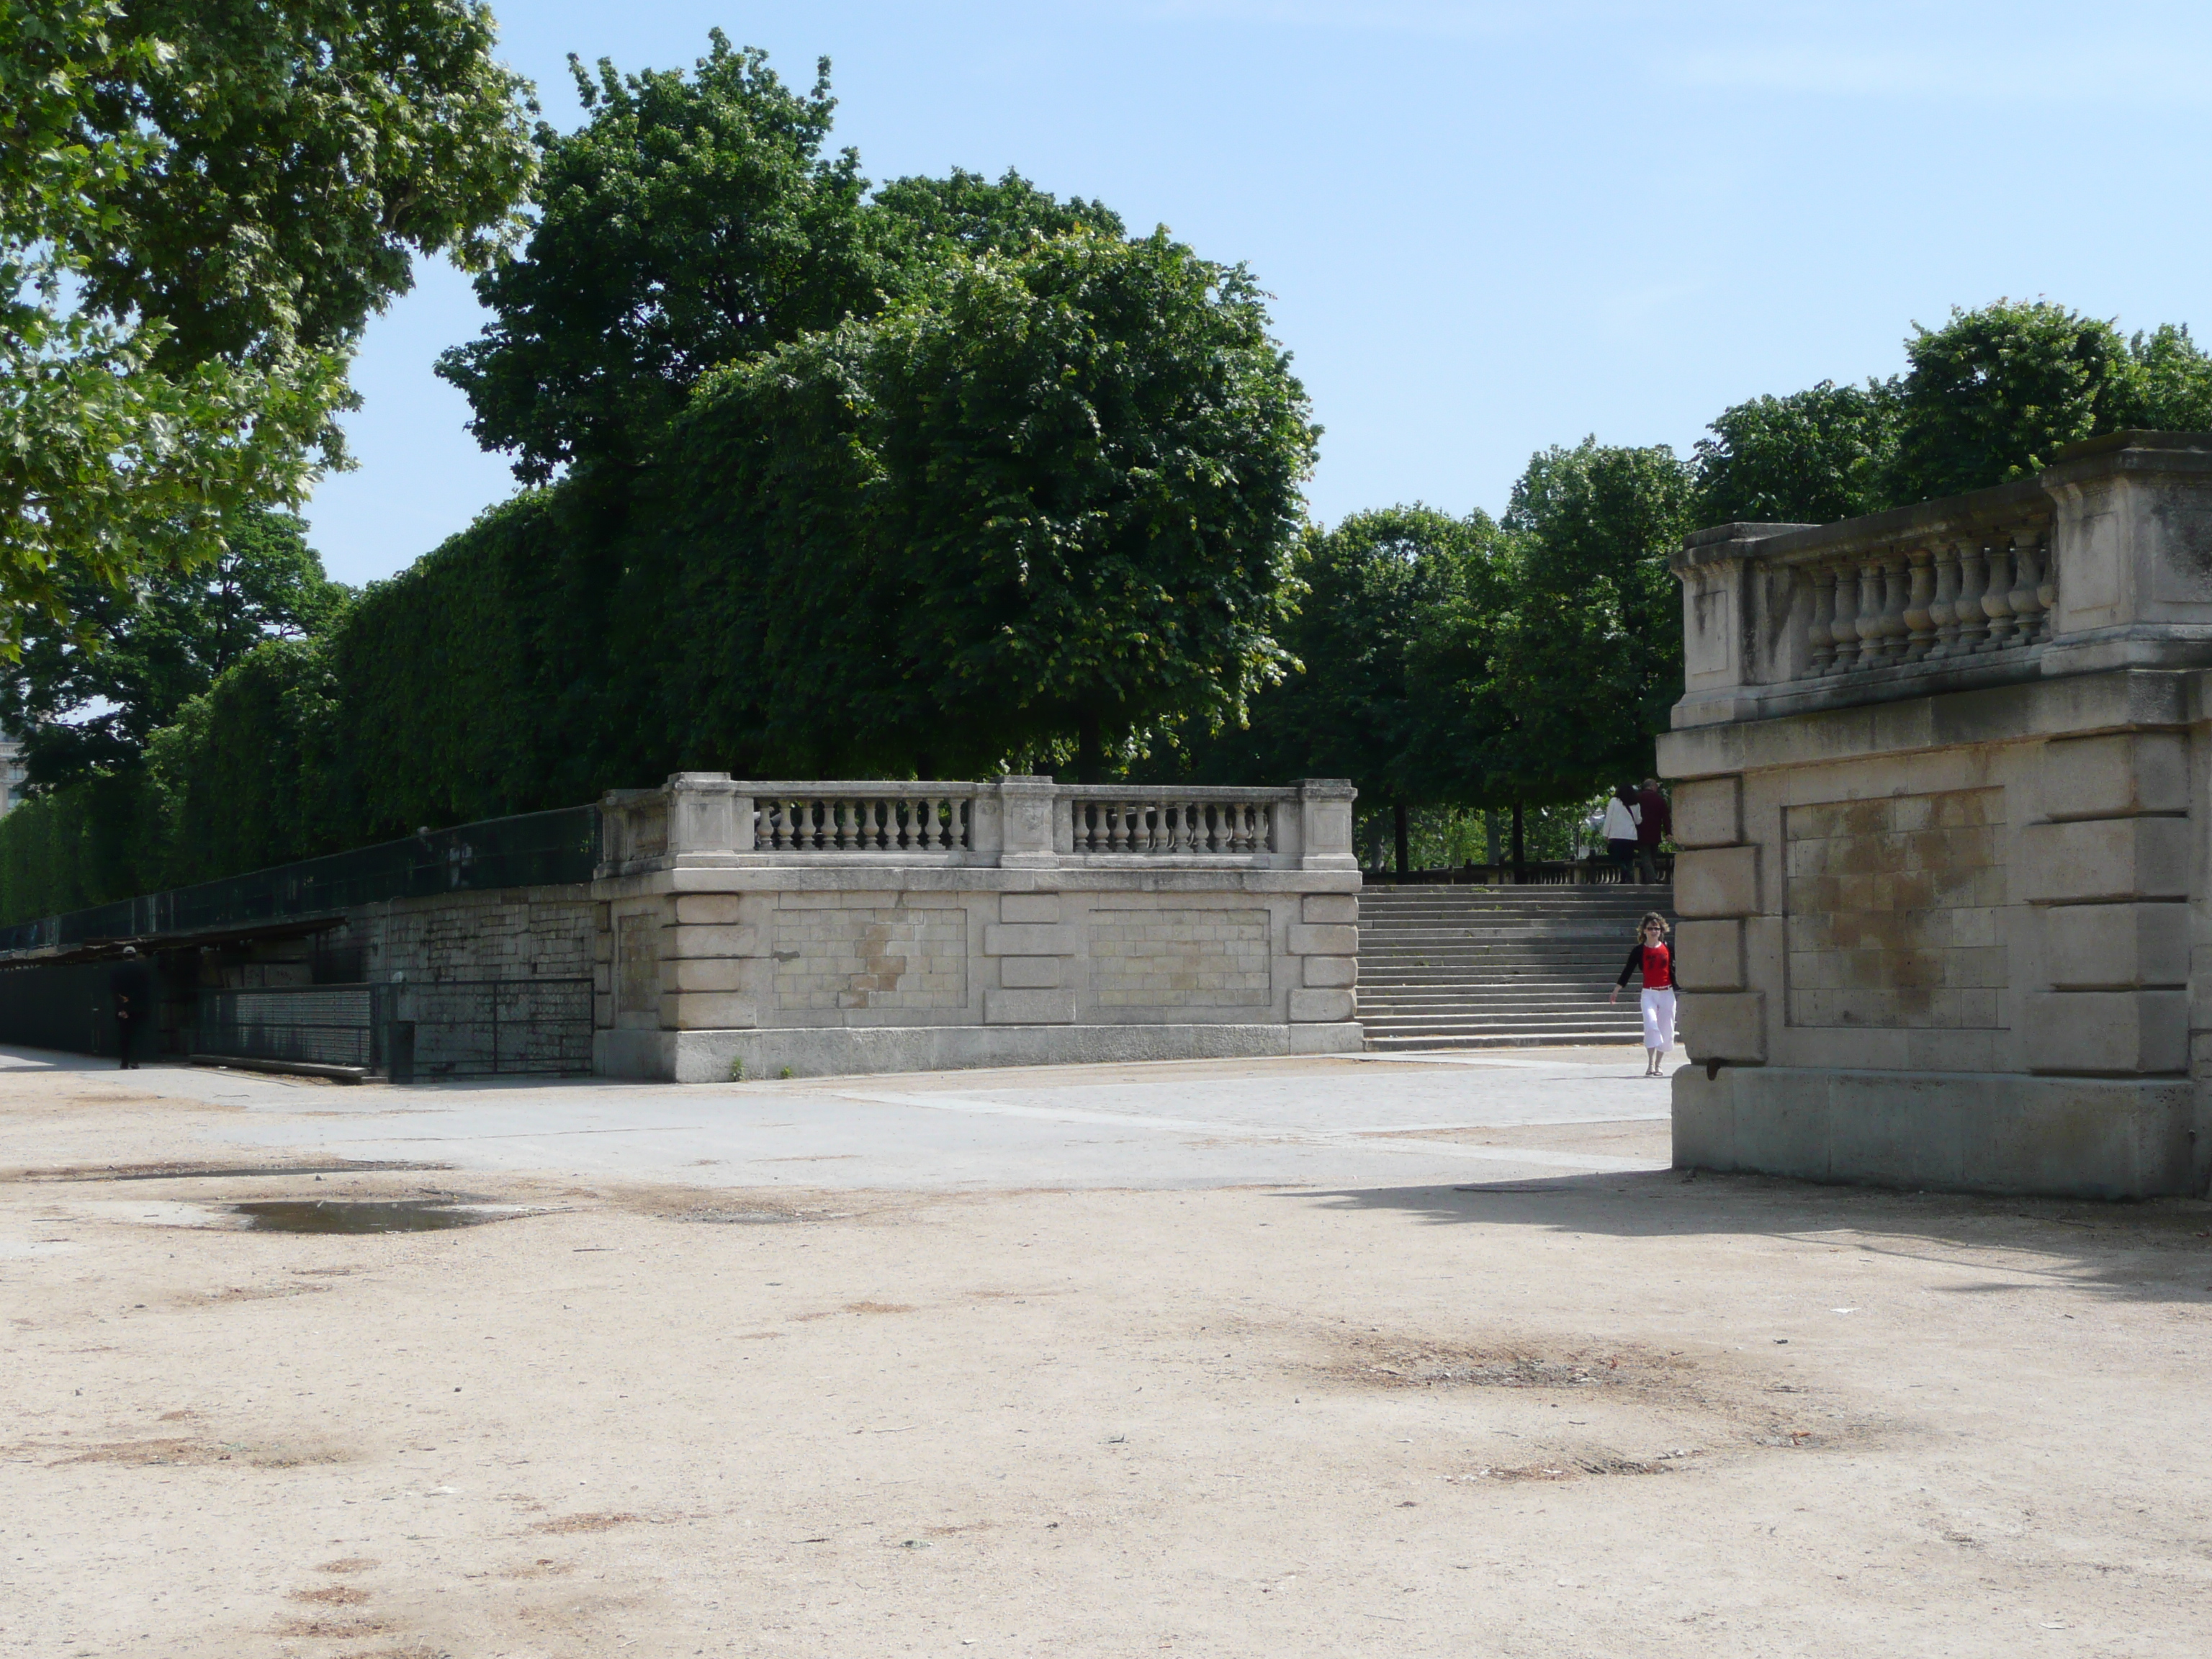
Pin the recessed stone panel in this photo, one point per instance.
(1893, 911)
(889, 958)
(1196, 958)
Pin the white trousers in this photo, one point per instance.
(1659, 1019)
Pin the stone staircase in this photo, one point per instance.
(1488, 967)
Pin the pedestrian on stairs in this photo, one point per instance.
(1652, 957)
(1620, 829)
(1652, 823)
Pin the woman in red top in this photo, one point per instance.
(1657, 963)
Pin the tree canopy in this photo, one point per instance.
(1046, 501)
(694, 221)
(86, 696)
(1988, 396)
(200, 206)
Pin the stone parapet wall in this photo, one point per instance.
(823, 927)
(1945, 910)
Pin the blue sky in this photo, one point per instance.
(1488, 227)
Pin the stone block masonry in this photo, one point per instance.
(1893, 911)
(843, 927)
(1942, 775)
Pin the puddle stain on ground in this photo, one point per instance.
(405, 1215)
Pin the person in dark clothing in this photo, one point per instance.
(131, 988)
(1620, 829)
(1652, 825)
(1652, 957)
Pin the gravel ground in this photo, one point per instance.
(1311, 1356)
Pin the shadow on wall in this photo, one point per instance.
(2157, 1250)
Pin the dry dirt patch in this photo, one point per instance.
(1671, 1386)
(333, 1596)
(587, 1523)
(173, 1453)
(333, 1630)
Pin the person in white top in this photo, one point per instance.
(1621, 818)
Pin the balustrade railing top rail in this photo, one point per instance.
(708, 818)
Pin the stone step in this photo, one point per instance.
(1490, 967)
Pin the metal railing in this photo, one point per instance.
(531, 850)
(447, 1027)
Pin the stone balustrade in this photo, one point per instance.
(1126, 821)
(866, 926)
(708, 818)
(1931, 596)
(888, 819)
(1941, 777)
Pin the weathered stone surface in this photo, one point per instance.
(2114, 947)
(2117, 775)
(1029, 1007)
(855, 913)
(1724, 1026)
(708, 1057)
(1708, 955)
(1969, 743)
(1894, 909)
(1323, 939)
(1320, 1005)
(2107, 1033)
(1722, 881)
(2135, 858)
(1709, 812)
(1031, 939)
(2081, 1137)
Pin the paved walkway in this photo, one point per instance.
(1337, 1121)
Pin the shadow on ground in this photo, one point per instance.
(2154, 1250)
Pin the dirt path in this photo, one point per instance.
(1587, 1414)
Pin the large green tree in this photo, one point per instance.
(1590, 658)
(1809, 457)
(201, 202)
(85, 697)
(693, 221)
(1042, 506)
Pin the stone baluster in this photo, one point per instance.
(1973, 583)
(1920, 625)
(1996, 600)
(1819, 642)
(2027, 605)
(1869, 622)
(1843, 621)
(1897, 597)
(1942, 612)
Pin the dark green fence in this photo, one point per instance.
(531, 850)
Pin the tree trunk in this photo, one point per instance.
(1520, 844)
(1090, 754)
(1398, 828)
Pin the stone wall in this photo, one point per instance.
(812, 928)
(1944, 887)
(513, 933)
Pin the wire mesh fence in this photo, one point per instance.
(450, 1028)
